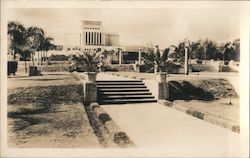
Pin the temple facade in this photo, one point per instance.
(93, 37)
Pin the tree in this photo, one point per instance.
(158, 59)
(179, 51)
(36, 35)
(46, 45)
(25, 41)
(228, 51)
(17, 34)
(210, 50)
(89, 61)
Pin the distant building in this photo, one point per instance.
(92, 36)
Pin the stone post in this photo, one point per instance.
(120, 56)
(139, 57)
(90, 92)
(162, 86)
(90, 88)
(186, 68)
(155, 68)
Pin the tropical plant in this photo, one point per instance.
(89, 61)
(158, 60)
(25, 41)
(179, 51)
(228, 51)
(21, 41)
(36, 35)
(45, 46)
(17, 35)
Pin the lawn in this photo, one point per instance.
(47, 111)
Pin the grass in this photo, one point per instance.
(48, 113)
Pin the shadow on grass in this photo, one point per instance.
(32, 102)
(24, 118)
(186, 91)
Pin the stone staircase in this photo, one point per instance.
(123, 92)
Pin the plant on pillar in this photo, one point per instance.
(88, 62)
(158, 61)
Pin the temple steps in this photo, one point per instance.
(123, 92)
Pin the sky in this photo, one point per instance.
(137, 26)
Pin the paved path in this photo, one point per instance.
(153, 125)
(107, 76)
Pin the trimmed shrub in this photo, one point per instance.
(61, 57)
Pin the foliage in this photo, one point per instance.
(25, 41)
(158, 59)
(208, 49)
(89, 61)
(60, 57)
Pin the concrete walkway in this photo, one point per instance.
(176, 134)
(153, 125)
(107, 76)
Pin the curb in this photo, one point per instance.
(208, 117)
(109, 127)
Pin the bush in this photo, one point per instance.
(58, 57)
(109, 68)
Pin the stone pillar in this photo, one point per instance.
(97, 35)
(120, 56)
(139, 57)
(86, 38)
(85, 41)
(100, 38)
(162, 91)
(186, 68)
(155, 68)
(96, 38)
(91, 38)
(90, 92)
(103, 39)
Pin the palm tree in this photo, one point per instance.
(46, 45)
(17, 33)
(89, 61)
(226, 50)
(24, 41)
(37, 35)
(158, 59)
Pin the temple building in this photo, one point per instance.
(92, 36)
